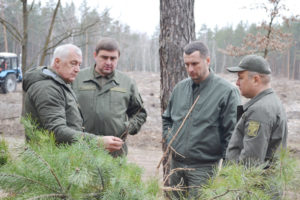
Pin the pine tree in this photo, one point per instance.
(4, 154)
(256, 182)
(82, 170)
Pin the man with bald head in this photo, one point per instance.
(51, 102)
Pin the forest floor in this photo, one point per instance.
(145, 147)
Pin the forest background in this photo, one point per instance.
(50, 24)
(139, 50)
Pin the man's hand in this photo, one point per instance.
(111, 143)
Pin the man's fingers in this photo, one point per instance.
(117, 139)
(112, 143)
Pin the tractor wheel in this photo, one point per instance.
(10, 83)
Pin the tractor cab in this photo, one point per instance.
(10, 72)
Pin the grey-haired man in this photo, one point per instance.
(262, 128)
(52, 103)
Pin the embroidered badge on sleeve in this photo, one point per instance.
(253, 128)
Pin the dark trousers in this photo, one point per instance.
(189, 179)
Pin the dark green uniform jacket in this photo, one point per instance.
(260, 131)
(52, 103)
(205, 134)
(112, 109)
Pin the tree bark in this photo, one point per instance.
(24, 45)
(294, 63)
(297, 62)
(86, 56)
(4, 27)
(177, 28)
(288, 63)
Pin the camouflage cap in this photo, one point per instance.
(252, 63)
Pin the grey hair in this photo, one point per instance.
(64, 50)
(266, 78)
(196, 46)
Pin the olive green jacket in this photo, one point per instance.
(260, 131)
(53, 104)
(204, 136)
(114, 109)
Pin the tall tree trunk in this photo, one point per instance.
(297, 62)
(86, 56)
(269, 30)
(45, 48)
(214, 56)
(177, 28)
(4, 27)
(224, 63)
(294, 63)
(144, 58)
(24, 43)
(288, 63)
(25, 36)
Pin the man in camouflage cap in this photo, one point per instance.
(262, 128)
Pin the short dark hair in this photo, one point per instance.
(196, 46)
(108, 44)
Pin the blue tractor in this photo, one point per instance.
(10, 72)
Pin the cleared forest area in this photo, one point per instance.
(145, 147)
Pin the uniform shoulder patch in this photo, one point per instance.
(253, 128)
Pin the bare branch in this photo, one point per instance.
(47, 196)
(176, 170)
(49, 34)
(27, 179)
(60, 38)
(11, 29)
(31, 6)
(268, 39)
(175, 135)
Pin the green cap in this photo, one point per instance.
(252, 63)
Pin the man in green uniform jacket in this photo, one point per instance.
(262, 128)
(204, 136)
(110, 101)
(52, 103)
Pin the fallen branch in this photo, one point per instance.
(180, 127)
(179, 188)
(176, 170)
(13, 117)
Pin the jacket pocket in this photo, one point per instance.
(119, 100)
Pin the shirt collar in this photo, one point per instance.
(258, 97)
(97, 75)
(52, 73)
(205, 82)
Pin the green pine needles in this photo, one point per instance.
(83, 170)
(255, 183)
(4, 154)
